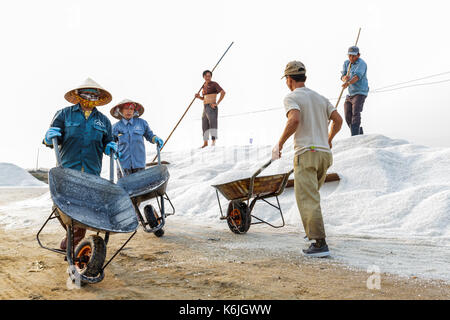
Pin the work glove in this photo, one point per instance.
(111, 146)
(51, 133)
(159, 142)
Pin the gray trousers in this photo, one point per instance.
(209, 122)
(353, 107)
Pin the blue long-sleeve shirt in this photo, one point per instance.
(82, 140)
(359, 68)
(130, 135)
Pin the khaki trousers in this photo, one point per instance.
(310, 171)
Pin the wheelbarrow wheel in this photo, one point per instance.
(152, 218)
(90, 255)
(238, 217)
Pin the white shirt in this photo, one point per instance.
(315, 111)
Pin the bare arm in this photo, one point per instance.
(351, 81)
(335, 126)
(290, 128)
(222, 95)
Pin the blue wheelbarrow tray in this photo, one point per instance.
(146, 184)
(91, 202)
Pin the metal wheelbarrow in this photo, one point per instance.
(91, 202)
(240, 192)
(145, 185)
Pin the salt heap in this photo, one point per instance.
(14, 176)
(389, 188)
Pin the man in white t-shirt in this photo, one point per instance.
(308, 115)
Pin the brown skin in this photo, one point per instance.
(346, 79)
(127, 112)
(336, 125)
(294, 119)
(210, 99)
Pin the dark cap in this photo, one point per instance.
(353, 51)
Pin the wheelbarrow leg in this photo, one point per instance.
(222, 217)
(52, 216)
(278, 207)
(138, 213)
(117, 252)
(74, 275)
(163, 213)
(70, 254)
(161, 205)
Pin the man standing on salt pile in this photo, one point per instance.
(210, 91)
(83, 134)
(358, 89)
(308, 114)
(130, 132)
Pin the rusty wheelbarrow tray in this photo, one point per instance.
(243, 195)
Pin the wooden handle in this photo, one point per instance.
(348, 70)
(179, 121)
(330, 177)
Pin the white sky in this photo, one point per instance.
(154, 52)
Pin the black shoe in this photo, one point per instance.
(361, 131)
(317, 252)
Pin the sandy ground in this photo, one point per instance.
(193, 261)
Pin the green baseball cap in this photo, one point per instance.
(294, 68)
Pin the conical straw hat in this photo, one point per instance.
(73, 97)
(115, 111)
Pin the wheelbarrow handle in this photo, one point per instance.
(111, 161)
(56, 148)
(252, 180)
(120, 166)
(261, 169)
(158, 152)
(112, 166)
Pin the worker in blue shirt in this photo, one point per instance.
(130, 132)
(358, 89)
(83, 134)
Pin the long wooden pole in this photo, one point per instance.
(348, 70)
(179, 121)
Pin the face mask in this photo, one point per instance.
(89, 104)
